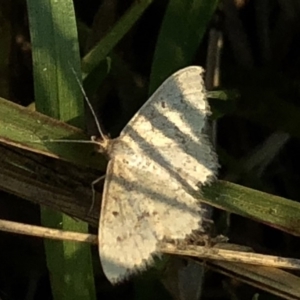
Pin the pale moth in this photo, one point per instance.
(161, 158)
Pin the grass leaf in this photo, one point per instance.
(176, 47)
(105, 46)
(55, 53)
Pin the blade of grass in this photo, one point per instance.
(57, 94)
(33, 131)
(57, 184)
(272, 210)
(274, 281)
(96, 76)
(96, 65)
(104, 47)
(182, 30)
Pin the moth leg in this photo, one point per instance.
(94, 191)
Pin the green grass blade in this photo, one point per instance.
(55, 53)
(96, 76)
(104, 47)
(182, 30)
(33, 131)
(272, 210)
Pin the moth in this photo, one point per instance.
(157, 164)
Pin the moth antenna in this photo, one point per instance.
(89, 104)
(92, 141)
